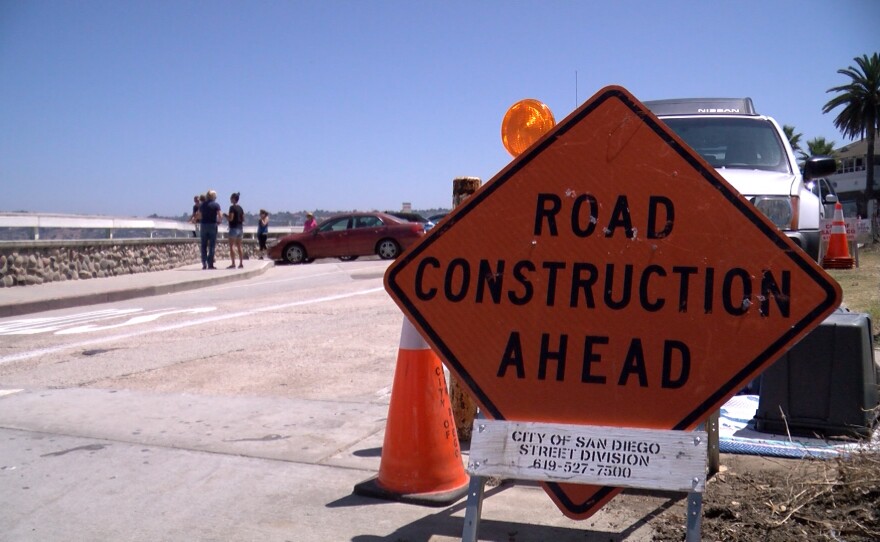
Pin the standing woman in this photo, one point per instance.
(310, 223)
(212, 215)
(263, 231)
(236, 230)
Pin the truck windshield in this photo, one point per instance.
(744, 143)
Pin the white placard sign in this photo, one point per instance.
(581, 454)
(856, 229)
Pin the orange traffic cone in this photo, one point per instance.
(837, 256)
(421, 457)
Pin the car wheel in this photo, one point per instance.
(294, 254)
(387, 249)
(348, 258)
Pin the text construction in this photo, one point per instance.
(589, 285)
(580, 288)
(643, 458)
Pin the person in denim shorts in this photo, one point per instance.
(235, 216)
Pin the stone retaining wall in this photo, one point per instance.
(37, 262)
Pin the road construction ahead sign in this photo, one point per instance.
(608, 276)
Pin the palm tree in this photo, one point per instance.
(793, 139)
(818, 146)
(860, 116)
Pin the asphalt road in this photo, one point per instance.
(244, 411)
(287, 333)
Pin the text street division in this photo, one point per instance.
(642, 458)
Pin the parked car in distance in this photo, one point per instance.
(348, 236)
(412, 217)
(436, 218)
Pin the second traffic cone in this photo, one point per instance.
(837, 255)
(421, 457)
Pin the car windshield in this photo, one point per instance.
(410, 217)
(733, 143)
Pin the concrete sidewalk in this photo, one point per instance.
(20, 300)
(99, 464)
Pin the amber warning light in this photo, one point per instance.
(524, 123)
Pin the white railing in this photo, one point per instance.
(853, 181)
(157, 227)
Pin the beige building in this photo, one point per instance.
(849, 181)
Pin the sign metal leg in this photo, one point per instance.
(474, 509)
(714, 444)
(694, 516)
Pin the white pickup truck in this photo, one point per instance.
(752, 153)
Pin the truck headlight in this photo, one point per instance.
(777, 208)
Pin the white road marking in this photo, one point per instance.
(30, 326)
(140, 319)
(180, 325)
(384, 392)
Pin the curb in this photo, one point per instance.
(110, 296)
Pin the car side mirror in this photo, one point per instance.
(830, 198)
(819, 166)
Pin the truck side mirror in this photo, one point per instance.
(819, 166)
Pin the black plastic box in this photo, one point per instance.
(826, 385)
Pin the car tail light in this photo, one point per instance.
(418, 228)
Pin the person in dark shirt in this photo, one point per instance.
(263, 231)
(212, 215)
(235, 216)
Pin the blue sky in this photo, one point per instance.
(130, 108)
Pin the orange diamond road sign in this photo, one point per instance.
(608, 276)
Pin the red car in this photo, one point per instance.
(349, 236)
